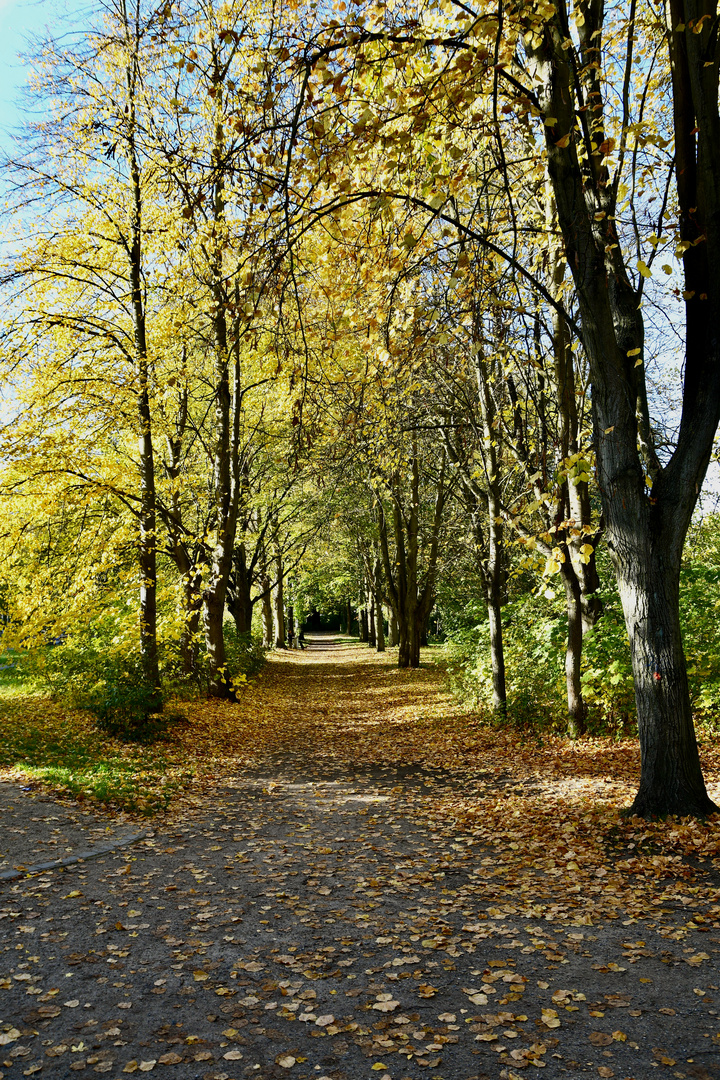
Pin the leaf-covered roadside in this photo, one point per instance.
(360, 881)
(546, 815)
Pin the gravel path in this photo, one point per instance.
(310, 923)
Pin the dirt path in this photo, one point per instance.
(369, 886)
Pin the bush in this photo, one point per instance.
(245, 657)
(82, 672)
(534, 631)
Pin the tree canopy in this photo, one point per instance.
(400, 311)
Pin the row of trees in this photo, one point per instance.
(384, 272)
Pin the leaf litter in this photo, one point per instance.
(362, 882)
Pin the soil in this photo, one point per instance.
(316, 918)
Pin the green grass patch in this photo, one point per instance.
(66, 751)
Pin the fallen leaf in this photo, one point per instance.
(600, 1038)
(385, 1006)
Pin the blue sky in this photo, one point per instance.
(19, 21)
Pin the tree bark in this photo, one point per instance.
(147, 545)
(577, 712)
(226, 464)
(240, 602)
(379, 616)
(372, 641)
(393, 636)
(671, 779)
(410, 602)
(267, 612)
(646, 527)
(279, 602)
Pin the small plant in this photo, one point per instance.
(83, 672)
(124, 705)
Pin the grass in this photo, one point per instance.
(65, 751)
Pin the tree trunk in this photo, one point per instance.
(226, 481)
(393, 636)
(267, 612)
(279, 606)
(577, 713)
(189, 635)
(414, 636)
(403, 645)
(363, 624)
(371, 622)
(646, 523)
(291, 623)
(240, 603)
(649, 583)
(489, 547)
(410, 603)
(348, 617)
(147, 517)
(379, 616)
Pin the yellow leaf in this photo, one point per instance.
(644, 269)
(562, 143)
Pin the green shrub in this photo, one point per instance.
(245, 657)
(84, 673)
(534, 631)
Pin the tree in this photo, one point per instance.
(547, 61)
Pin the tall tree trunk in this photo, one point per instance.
(147, 545)
(363, 624)
(226, 463)
(348, 618)
(267, 612)
(191, 628)
(372, 641)
(379, 617)
(577, 713)
(489, 562)
(410, 603)
(279, 603)
(239, 601)
(671, 774)
(291, 622)
(490, 554)
(645, 528)
(393, 636)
